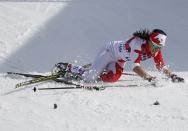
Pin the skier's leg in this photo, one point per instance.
(68, 71)
(75, 72)
(113, 72)
(103, 58)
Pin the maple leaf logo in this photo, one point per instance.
(161, 38)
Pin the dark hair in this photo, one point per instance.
(159, 31)
(143, 34)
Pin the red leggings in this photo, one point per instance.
(110, 76)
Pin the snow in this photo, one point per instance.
(36, 35)
(117, 108)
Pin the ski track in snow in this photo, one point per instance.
(116, 108)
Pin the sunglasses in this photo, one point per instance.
(156, 46)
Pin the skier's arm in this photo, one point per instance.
(173, 76)
(136, 58)
(161, 67)
(167, 72)
(142, 73)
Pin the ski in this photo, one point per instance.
(37, 80)
(34, 76)
(74, 86)
(53, 78)
(25, 74)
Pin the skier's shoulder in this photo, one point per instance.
(136, 42)
(139, 40)
(133, 41)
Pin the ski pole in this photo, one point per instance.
(129, 74)
(57, 88)
(70, 87)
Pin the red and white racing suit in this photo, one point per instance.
(110, 61)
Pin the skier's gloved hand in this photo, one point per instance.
(176, 78)
(151, 79)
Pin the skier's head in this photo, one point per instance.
(158, 38)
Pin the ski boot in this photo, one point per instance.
(60, 68)
(68, 71)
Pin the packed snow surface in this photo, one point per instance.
(124, 106)
(36, 35)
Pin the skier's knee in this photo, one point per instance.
(110, 77)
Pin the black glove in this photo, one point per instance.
(175, 78)
(151, 79)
